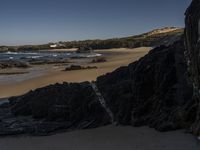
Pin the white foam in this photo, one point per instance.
(20, 53)
(34, 57)
(11, 53)
(93, 55)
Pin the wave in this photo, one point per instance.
(34, 57)
(11, 53)
(94, 55)
(20, 53)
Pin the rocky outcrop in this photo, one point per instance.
(192, 40)
(4, 64)
(53, 108)
(84, 49)
(79, 67)
(153, 91)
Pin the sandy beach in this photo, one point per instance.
(105, 138)
(115, 58)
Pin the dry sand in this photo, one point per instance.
(105, 138)
(115, 58)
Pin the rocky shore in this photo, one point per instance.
(161, 90)
(52, 109)
(79, 67)
(153, 91)
(13, 64)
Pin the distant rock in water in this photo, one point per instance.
(84, 49)
(4, 64)
(78, 67)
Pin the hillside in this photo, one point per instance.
(164, 36)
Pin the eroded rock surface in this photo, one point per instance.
(4, 64)
(153, 91)
(51, 109)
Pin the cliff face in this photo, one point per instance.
(192, 42)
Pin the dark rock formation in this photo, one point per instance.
(152, 91)
(78, 67)
(192, 36)
(42, 61)
(98, 60)
(84, 49)
(12, 64)
(56, 107)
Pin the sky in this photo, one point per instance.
(25, 22)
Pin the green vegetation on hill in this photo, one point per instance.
(165, 36)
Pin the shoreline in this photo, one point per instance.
(51, 74)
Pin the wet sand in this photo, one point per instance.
(115, 58)
(105, 138)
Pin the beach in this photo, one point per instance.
(44, 75)
(105, 138)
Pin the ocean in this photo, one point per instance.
(44, 55)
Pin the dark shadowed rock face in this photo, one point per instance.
(192, 36)
(152, 91)
(56, 107)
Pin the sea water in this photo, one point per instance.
(44, 55)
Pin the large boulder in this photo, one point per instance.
(153, 91)
(61, 106)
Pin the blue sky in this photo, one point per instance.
(43, 21)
